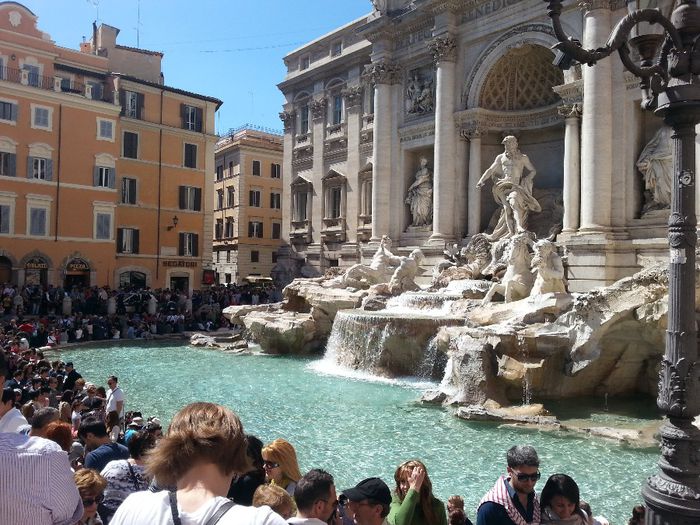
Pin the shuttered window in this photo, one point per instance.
(103, 226)
(188, 245)
(190, 198)
(104, 177)
(37, 222)
(190, 155)
(191, 117)
(128, 191)
(8, 164)
(127, 240)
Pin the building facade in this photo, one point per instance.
(247, 205)
(436, 85)
(102, 166)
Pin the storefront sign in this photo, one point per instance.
(77, 265)
(36, 263)
(180, 264)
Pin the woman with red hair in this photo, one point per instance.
(413, 502)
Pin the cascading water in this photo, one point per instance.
(523, 351)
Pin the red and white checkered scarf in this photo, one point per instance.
(499, 495)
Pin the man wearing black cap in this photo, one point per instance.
(368, 502)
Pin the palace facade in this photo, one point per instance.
(447, 80)
(102, 166)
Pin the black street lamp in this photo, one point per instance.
(671, 88)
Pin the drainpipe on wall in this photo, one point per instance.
(160, 176)
(58, 174)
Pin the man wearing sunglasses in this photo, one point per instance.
(512, 500)
(315, 498)
(368, 502)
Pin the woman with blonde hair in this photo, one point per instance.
(90, 485)
(280, 464)
(204, 448)
(412, 502)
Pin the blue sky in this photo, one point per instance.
(229, 49)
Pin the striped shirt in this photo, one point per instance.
(36, 483)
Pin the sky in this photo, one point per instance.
(228, 49)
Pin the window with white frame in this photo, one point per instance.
(38, 222)
(7, 212)
(8, 164)
(8, 111)
(334, 195)
(127, 240)
(41, 117)
(105, 129)
(191, 117)
(275, 200)
(300, 200)
(254, 198)
(188, 244)
(190, 198)
(255, 229)
(39, 168)
(103, 225)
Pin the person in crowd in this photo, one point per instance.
(593, 520)
(125, 476)
(455, 511)
(560, 500)
(201, 452)
(413, 502)
(59, 432)
(91, 486)
(280, 464)
(93, 433)
(315, 498)
(39, 500)
(113, 428)
(75, 416)
(512, 500)
(92, 401)
(41, 420)
(11, 419)
(368, 502)
(243, 487)
(274, 497)
(134, 426)
(71, 377)
(64, 406)
(115, 398)
(638, 514)
(154, 427)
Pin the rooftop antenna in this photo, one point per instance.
(138, 23)
(96, 3)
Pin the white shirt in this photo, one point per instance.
(112, 397)
(12, 421)
(36, 483)
(153, 508)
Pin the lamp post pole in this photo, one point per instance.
(671, 87)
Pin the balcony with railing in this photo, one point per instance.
(90, 90)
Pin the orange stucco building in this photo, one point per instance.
(102, 166)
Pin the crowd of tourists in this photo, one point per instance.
(71, 454)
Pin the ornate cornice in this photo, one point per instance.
(382, 72)
(353, 96)
(287, 118)
(443, 49)
(489, 120)
(471, 133)
(591, 5)
(571, 93)
(318, 107)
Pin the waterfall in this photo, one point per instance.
(522, 351)
(356, 341)
(426, 368)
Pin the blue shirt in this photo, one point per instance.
(98, 458)
(491, 513)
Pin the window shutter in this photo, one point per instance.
(198, 119)
(195, 244)
(183, 197)
(197, 199)
(122, 101)
(139, 106)
(260, 230)
(13, 112)
(4, 219)
(181, 247)
(30, 167)
(272, 200)
(132, 191)
(134, 241)
(183, 115)
(49, 169)
(250, 229)
(120, 239)
(95, 175)
(12, 164)
(112, 178)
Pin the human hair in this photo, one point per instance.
(8, 394)
(274, 497)
(281, 451)
(254, 452)
(139, 443)
(519, 455)
(456, 517)
(113, 378)
(112, 419)
(59, 432)
(199, 433)
(89, 481)
(402, 473)
(314, 485)
(638, 513)
(560, 485)
(67, 396)
(43, 417)
(92, 425)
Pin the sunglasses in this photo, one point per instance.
(270, 464)
(525, 477)
(89, 501)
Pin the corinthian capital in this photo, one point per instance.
(287, 118)
(591, 5)
(353, 96)
(443, 49)
(570, 110)
(382, 72)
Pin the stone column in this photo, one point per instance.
(596, 124)
(353, 109)
(444, 52)
(474, 193)
(382, 74)
(287, 118)
(318, 108)
(572, 166)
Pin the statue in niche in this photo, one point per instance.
(420, 98)
(419, 196)
(518, 279)
(511, 190)
(549, 269)
(362, 276)
(656, 164)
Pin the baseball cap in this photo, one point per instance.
(371, 488)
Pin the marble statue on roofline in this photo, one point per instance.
(512, 190)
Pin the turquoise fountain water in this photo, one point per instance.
(357, 428)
